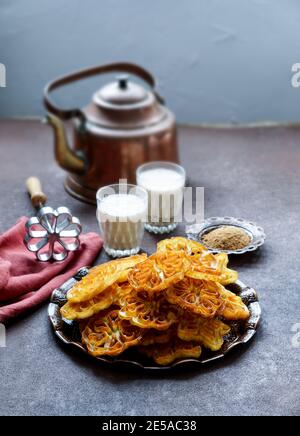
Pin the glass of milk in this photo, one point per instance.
(164, 182)
(122, 213)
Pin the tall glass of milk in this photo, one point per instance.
(164, 182)
(122, 213)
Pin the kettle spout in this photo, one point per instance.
(66, 158)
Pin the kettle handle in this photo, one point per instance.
(67, 114)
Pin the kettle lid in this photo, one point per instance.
(121, 92)
(124, 104)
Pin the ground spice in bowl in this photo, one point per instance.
(226, 238)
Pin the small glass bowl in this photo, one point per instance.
(256, 233)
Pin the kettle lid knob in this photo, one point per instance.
(123, 81)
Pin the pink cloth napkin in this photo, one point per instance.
(26, 282)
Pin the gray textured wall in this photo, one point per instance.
(216, 60)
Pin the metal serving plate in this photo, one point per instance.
(256, 233)
(241, 333)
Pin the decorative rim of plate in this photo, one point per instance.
(241, 333)
(256, 233)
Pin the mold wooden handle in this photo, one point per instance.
(34, 187)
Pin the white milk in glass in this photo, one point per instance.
(121, 218)
(165, 186)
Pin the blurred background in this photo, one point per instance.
(216, 61)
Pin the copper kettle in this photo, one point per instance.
(123, 127)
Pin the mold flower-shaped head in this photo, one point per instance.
(52, 234)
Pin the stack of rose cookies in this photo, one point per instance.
(169, 305)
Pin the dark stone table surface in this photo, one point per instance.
(247, 172)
